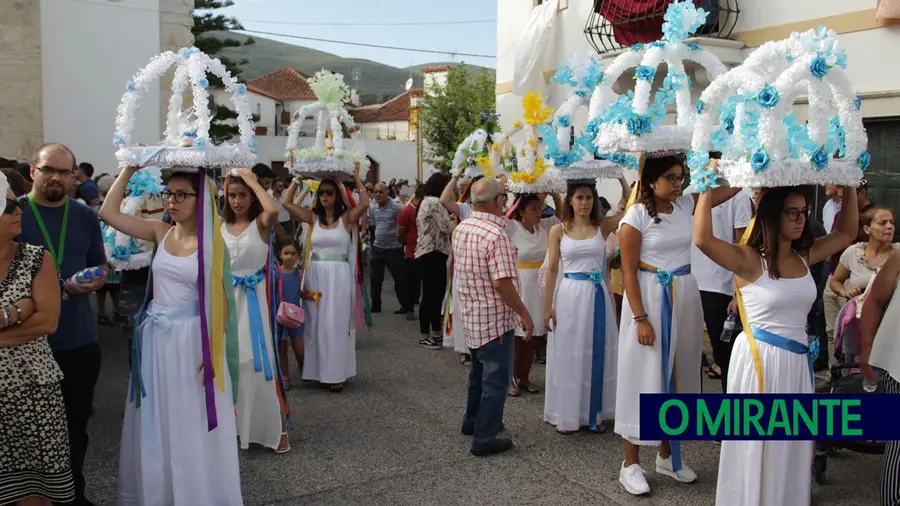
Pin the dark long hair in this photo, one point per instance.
(569, 209)
(434, 186)
(255, 207)
(766, 235)
(653, 169)
(339, 207)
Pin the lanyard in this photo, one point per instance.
(57, 256)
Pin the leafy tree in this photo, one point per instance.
(206, 22)
(453, 111)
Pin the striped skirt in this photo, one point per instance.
(890, 465)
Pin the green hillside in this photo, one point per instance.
(378, 82)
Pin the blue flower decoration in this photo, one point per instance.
(129, 86)
(254, 146)
(563, 121)
(789, 58)
(700, 106)
(658, 43)
(581, 93)
(858, 102)
(704, 180)
(767, 97)
(592, 128)
(819, 68)
(240, 89)
(117, 140)
(627, 161)
(699, 160)
(663, 277)
(645, 73)
(693, 46)
(562, 160)
(759, 161)
(819, 159)
(121, 252)
(203, 82)
(637, 47)
(864, 160)
(199, 142)
(186, 52)
(596, 277)
(814, 349)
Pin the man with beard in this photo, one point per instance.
(71, 233)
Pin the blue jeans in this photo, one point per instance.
(489, 379)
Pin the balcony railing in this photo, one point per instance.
(614, 24)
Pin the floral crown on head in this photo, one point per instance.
(580, 159)
(473, 155)
(123, 251)
(187, 143)
(747, 115)
(630, 123)
(327, 157)
(529, 173)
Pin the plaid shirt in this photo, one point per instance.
(483, 253)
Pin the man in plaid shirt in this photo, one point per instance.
(487, 281)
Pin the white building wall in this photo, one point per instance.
(430, 79)
(386, 130)
(877, 80)
(88, 52)
(397, 159)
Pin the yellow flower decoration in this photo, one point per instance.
(313, 185)
(532, 143)
(494, 147)
(535, 112)
(530, 178)
(483, 163)
(517, 124)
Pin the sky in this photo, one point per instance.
(378, 22)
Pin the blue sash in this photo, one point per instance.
(788, 345)
(599, 342)
(665, 278)
(257, 331)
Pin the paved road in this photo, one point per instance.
(392, 438)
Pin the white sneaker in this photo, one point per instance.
(664, 466)
(632, 478)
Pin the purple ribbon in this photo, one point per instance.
(212, 421)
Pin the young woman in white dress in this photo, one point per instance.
(168, 455)
(529, 232)
(773, 277)
(329, 334)
(247, 221)
(579, 314)
(659, 344)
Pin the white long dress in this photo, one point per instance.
(665, 245)
(532, 248)
(770, 473)
(167, 455)
(329, 339)
(258, 408)
(571, 367)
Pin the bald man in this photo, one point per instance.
(387, 251)
(49, 213)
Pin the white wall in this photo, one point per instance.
(383, 130)
(867, 69)
(89, 50)
(397, 159)
(431, 79)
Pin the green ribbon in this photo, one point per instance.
(57, 255)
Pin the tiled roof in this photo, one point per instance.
(436, 68)
(284, 84)
(395, 109)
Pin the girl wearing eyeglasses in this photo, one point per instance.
(329, 280)
(661, 328)
(247, 221)
(774, 281)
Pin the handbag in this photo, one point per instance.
(289, 315)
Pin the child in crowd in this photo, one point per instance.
(289, 292)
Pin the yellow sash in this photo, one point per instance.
(529, 265)
(748, 331)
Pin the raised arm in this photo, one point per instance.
(353, 216)
(269, 214)
(448, 196)
(294, 207)
(878, 296)
(844, 232)
(553, 240)
(111, 213)
(557, 204)
(45, 298)
(736, 258)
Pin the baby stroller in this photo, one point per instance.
(846, 379)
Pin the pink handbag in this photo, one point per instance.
(289, 315)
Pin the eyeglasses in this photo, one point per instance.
(794, 214)
(325, 192)
(673, 179)
(11, 206)
(179, 195)
(50, 171)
